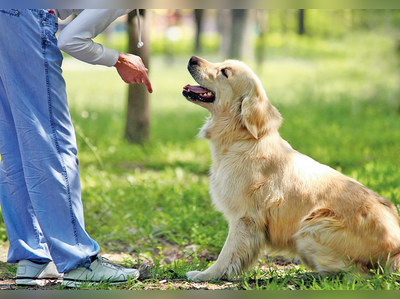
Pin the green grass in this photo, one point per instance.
(340, 101)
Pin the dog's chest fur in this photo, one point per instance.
(238, 181)
(226, 184)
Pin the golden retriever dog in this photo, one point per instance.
(276, 199)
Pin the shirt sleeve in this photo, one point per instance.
(76, 38)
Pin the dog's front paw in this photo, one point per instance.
(196, 276)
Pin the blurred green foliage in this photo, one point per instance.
(280, 23)
(338, 90)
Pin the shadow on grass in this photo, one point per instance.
(191, 167)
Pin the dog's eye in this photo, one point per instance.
(224, 72)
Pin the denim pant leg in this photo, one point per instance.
(30, 69)
(25, 236)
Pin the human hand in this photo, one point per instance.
(132, 70)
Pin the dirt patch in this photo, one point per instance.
(146, 282)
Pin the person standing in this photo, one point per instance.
(40, 192)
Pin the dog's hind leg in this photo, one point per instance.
(318, 244)
(318, 257)
(242, 247)
(394, 263)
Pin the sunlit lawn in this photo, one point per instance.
(340, 103)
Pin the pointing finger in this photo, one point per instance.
(147, 83)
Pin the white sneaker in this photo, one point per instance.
(101, 270)
(34, 274)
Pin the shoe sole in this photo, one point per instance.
(33, 282)
(77, 283)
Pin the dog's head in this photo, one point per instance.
(235, 97)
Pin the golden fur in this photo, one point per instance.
(277, 199)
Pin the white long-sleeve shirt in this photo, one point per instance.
(76, 38)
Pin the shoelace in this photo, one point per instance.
(105, 261)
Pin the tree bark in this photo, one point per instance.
(262, 22)
(302, 29)
(198, 13)
(237, 30)
(224, 17)
(137, 128)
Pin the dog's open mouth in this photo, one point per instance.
(196, 92)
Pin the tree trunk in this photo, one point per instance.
(237, 30)
(224, 17)
(263, 26)
(198, 13)
(301, 22)
(138, 113)
(284, 18)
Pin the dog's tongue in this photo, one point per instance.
(195, 89)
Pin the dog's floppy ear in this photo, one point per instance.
(259, 116)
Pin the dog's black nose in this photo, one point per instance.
(194, 60)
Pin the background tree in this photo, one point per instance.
(261, 44)
(238, 27)
(138, 113)
(302, 29)
(198, 13)
(223, 20)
